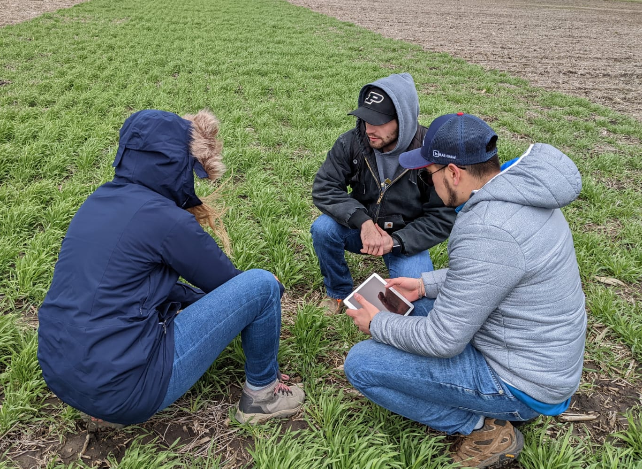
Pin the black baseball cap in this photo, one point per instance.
(377, 107)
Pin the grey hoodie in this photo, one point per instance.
(402, 92)
(513, 287)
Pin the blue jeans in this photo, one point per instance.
(249, 304)
(331, 240)
(447, 394)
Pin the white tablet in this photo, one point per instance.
(386, 299)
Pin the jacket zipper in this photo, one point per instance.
(381, 192)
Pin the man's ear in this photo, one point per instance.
(454, 173)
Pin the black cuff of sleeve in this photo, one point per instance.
(358, 218)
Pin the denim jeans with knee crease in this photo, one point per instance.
(331, 240)
(249, 304)
(447, 394)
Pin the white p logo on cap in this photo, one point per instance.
(373, 98)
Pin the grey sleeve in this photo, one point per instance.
(486, 263)
(433, 281)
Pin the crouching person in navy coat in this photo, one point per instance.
(111, 341)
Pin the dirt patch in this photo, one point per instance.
(206, 432)
(15, 11)
(605, 405)
(586, 48)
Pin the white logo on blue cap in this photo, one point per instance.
(438, 154)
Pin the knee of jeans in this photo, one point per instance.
(355, 364)
(423, 307)
(262, 281)
(323, 228)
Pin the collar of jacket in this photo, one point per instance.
(368, 152)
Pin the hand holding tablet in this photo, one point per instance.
(375, 292)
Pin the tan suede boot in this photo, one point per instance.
(331, 305)
(496, 444)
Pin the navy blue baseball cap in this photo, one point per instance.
(462, 139)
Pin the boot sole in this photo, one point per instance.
(254, 419)
(507, 456)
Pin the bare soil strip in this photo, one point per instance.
(586, 48)
(15, 11)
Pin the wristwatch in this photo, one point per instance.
(397, 246)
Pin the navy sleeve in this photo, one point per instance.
(184, 294)
(194, 254)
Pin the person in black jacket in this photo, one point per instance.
(111, 340)
(391, 211)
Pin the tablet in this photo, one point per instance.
(386, 299)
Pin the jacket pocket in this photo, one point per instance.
(391, 223)
(143, 309)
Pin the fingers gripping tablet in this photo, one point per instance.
(386, 299)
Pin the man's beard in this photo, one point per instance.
(452, 195)
(380, 145)
(385, 141)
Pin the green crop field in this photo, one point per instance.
(281, 80)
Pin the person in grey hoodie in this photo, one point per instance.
(389, 212)
(504, 338)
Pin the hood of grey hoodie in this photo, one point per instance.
(542, 177)
(401, 89)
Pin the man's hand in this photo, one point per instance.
(388, 242)
(371, 239)
(364, 315)
(410, 288)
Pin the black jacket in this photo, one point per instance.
(419, 218)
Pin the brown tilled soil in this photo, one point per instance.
(587, 48)
(15, 11)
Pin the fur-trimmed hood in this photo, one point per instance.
(161, 151)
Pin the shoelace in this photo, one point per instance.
(281, 388)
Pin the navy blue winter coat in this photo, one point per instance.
(106, 335)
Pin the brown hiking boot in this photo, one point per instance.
(275, 401)
(331, 305)
(496, 444)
